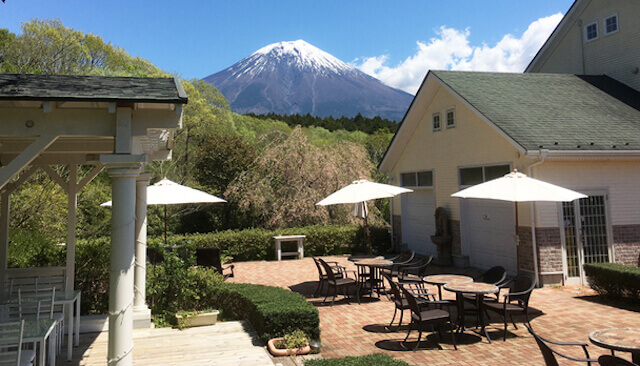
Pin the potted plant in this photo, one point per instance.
(294, 343)
(196, 318)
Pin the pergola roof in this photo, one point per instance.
(24, 87)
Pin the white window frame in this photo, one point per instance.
(416, 175)
(484, 173)
(586, 33)
(604, 24)
(433, 127)
(446, 117)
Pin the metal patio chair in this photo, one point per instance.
(339, 283)
(337, 270)
(422, 315)
(515, 301)
(549, 354)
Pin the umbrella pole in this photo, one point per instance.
(515, 204)
(165, 224)
(367, 236)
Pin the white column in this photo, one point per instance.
(4, 235)
(141, 312)
(123, 171)
(72, 208)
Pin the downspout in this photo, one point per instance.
(393, 243)
(534, 245)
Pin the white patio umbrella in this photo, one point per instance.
(360, 191)
(517, 187)
(166, 192)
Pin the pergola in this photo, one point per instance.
(113, 123)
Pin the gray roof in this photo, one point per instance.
(554, 111)
(91, 88)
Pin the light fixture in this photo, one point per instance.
(29, 123)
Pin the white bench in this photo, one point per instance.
(286, 238)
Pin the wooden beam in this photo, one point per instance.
(89, 177)
(25, 158)
(56, 178)
(11, 187)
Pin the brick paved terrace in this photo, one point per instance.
(349, 329)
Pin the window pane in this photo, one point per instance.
(470, 176)
(450, 119)
(425, 179)
(436, 122)
(592, 31)
(408, 179)
(611, 24)
(496, 171)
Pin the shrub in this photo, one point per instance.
(175, 285)
(92, 274)
(30, 248)
(614, 279)
(378, 359)
(258, 244)
(272, 311)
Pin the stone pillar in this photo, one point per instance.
(141, 312)
(123, 170)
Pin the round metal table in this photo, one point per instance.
(374, 278)
(443, 279)
(479, 289)
(619, 339)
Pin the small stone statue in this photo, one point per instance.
(442, 222)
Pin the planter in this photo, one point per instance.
(197, 319)
(278, 352)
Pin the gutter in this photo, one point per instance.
(543, 155)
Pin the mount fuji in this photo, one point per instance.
(296, 77)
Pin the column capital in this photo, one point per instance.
(144, 177)
(123, 165)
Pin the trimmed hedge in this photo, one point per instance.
(614, 279)
(272, 311)
(378, 359)
(258, 244)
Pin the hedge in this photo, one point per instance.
(272, 311)
(614, 279)
(258, 244)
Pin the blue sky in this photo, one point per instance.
(387, 39)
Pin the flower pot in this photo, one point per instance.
(271, 345)
(198, 319)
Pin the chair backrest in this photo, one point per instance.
(494, 275)
(330, 275)
(318, 266)
(11, 335)
(395, 291)
(522, 283)
(422, 271)
(405, 257)
(609, 360)
(28, 306)
(547, 353)
(413, 303)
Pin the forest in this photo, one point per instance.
(271, 169)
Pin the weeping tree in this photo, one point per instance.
(284, 183)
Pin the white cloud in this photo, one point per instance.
(451, 50)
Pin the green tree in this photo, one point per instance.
(292, 174)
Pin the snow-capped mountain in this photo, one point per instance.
(296, 77)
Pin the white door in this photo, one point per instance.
(585, 235)
(418, 221)
(489, 237)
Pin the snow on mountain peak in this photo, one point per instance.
(305, 56)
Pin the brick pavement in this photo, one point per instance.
(349, 329)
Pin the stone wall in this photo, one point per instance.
(456, 243)
(397, 230)
(626, 244)
(549, 249)
(525, 250)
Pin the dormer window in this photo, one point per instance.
(610, 24)
(591, 31)
(435, 119)
(451, 118)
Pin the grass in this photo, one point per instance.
(378, 359)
